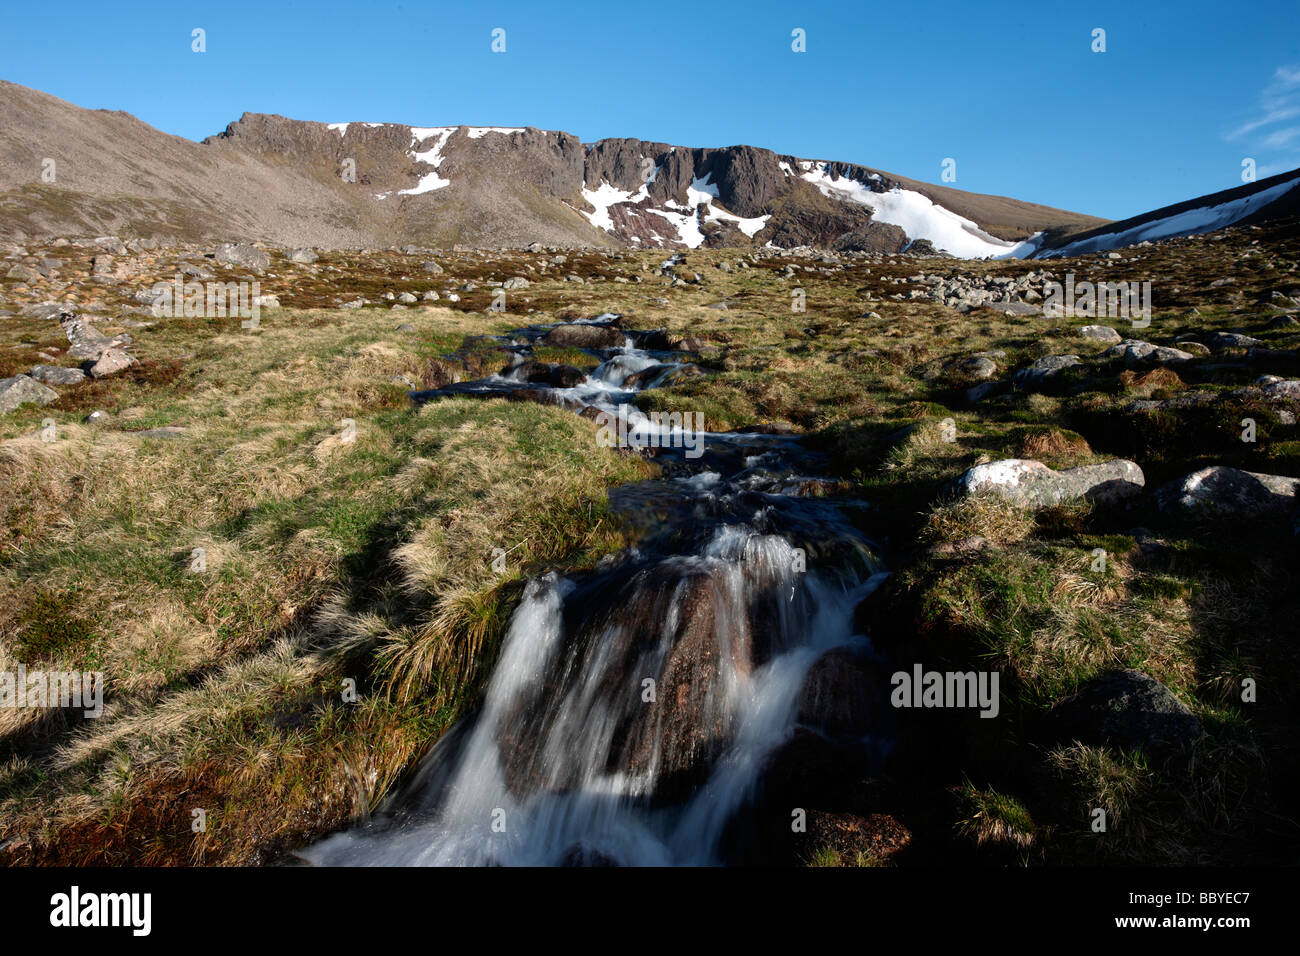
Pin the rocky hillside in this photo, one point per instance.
(67, 170)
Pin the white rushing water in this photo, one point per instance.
(568, 756)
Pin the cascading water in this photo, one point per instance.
(632, 714)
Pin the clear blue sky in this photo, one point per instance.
(1010, 90)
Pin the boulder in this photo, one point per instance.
(242, 254)
(110, 363)
(842, 695)
(1232, 340)
(515, 282)
(23, 390)
(1033, 484)
(976, 368)
(1134, 351)
(1042, 369)
(584, 336)
(57, 375)
(23, 273)
(303, 257)
(87, 342)
(1126, 709)
(1231, 494)
(1100, 333)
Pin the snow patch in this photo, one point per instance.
(431, 156)
(1189, 223)
(919, 217)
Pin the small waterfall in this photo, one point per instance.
(632, 714)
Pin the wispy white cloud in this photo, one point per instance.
(1276, 149)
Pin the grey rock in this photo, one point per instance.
(87, 342)
(242, 254)
(1232, 340)
(1225, 493)
(304, 257)
(1134, 351)
(1126, 709)
(57, 375)
(1100, 333)
(584, 336)
(110, 363)
(23, 273)
(515, 282)
(432, 267)
(1043, 369)
(23, 390)
(979, 368)
(193, 270)
(1033, 484)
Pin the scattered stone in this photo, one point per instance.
(1134, 351)
(1225, 493)
(87, 342)
(585, 336)
(242, 254)
(1100, 333)
(57, 375)
(1126, 709)
(354, 304)
(23, 273)
(977, 368)
(1043, 369)
(1232, 340)
(432, 267)
(515, 282)
(303, 257)
(1033, 484)
(21, 390)
(110, 363)
(407, 298)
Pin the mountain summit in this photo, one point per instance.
(68, 170)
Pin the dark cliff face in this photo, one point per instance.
(267, 177)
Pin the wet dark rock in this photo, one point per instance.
(842, 694)
(1126, 709)
(582, 336)
(542, 373)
